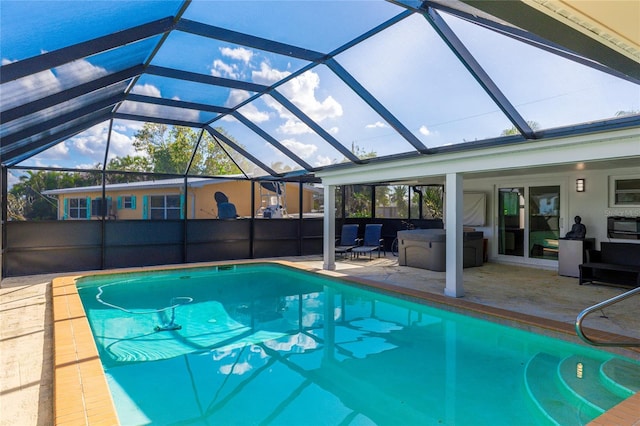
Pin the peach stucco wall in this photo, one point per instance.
(200, 200)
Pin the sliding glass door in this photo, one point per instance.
(511, 221)
(529, 221)
(544, 221)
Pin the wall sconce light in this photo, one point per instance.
(579, 185)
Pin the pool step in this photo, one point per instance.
(582, 378)
(621, 375)
(574, 390)
(544, 387)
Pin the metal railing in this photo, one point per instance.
(600, 306)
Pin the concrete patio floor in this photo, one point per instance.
(26, 341)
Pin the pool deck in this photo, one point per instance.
(33, 310)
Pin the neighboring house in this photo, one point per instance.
(165, 199)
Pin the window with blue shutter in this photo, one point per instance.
(78, 208)
(145, 207)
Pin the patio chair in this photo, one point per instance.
(372, 240)
(226, 210)
(348, 240)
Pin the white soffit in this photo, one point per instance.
(614, 23)
(512, 159)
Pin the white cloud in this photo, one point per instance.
(302, 150)
(254, 114)
(44, 83)
(147, 90)
(121, 145)
(82, 70)
(152, 110)
(91, 143)
(376, 125)
(334, 130)
(322, 161)
(293, 126)
(127, 126)
(240, 54)
(302, 92)
(268, 75)
(424, 131)
(236, 97)
(12, 179)
(87, 166)
(56, 152)
(30, 88)
(250, 110)
(223, 69)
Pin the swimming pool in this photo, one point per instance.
(267, 344)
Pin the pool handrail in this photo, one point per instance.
(600, 306)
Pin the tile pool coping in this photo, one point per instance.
(81, 394)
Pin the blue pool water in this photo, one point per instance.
(265, 344)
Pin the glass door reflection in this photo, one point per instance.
(511, 221)
(544, 221)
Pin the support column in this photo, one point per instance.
(329, 238)
(454, 208)
(4, 193)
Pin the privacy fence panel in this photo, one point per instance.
(143, 242)
(64, 246)
(209, 240)
(56, 246)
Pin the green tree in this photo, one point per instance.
(211, 158)
(130, 163)
(399, 197)
(170, 150)
(361, 153)
(382, 195)
(15, 207)
(625, 113)
(156, 141)
(29, 202)
(432, 201)
(280, 167)
(358, 201)
(514, 131)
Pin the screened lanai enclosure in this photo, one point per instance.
(121, 121)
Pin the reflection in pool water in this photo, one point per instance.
(270, 345)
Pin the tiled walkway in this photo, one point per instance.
(516, 294)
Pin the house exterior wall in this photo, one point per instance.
(596, 157)
(203, 205)
(200, 202)
(592, 206)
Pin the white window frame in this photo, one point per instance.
(78, 208)
(165, 209)
(612, 190)
(127, 201)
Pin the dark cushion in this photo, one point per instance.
(226, 211)
(620, 253)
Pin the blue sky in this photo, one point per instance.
(406, 67)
